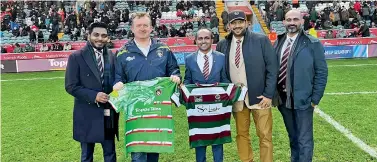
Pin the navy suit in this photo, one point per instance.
(83, 82)
(305, 84)
(194, 75)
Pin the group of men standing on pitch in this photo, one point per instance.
(291, 75)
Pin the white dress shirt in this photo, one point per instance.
(286, 44)
(142, 49)
(201, 60)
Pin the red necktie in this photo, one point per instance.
(238, 54)
(284, 64)
(206, 67)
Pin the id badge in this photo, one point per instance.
(106, 112)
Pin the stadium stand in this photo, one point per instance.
(66, 21)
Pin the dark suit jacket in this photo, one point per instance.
(82, 80)
(260, 64)
(306, 72)
(194, 75)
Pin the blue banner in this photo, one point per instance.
(333, 52)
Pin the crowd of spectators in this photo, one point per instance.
(360, 15)
(41, 19)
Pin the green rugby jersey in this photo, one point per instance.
(147, 115)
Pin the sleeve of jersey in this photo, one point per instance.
(178, 97)
(240, 94)
(116, 101)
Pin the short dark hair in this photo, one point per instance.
(204, 28)
(96, 25)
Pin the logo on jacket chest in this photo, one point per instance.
(129, 58)
(160, 53)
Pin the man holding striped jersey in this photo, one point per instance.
(205, 66)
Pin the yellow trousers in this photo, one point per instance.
(263, 123)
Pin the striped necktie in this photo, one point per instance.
(206, 67)
(99, 63)
(283, 65)
(238, 54)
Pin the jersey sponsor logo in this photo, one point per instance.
(208, 108)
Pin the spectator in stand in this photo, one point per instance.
(179, 13)
(202, 23)
(173, 32)
(23, 32)
(352, 12)
(3, 50)
(313, 15)
(279, 13)
(357, 6)
(182, 32)
(214, 21)
(364, 30)
(329, 35)
(57, 47)
(312, 31)
(341, 33)
(67, 46)
(306, 22)
(44, 47)
(18, 49)
(366, 12)
(32, 36)
(373, 25)
(224, 17)
(16, 32)
(344, 16)
(67, 31)
(29, 48)
(130, 35)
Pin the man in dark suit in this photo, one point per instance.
(89, 79)
(251, 61)
(301, 83)
(205, 66)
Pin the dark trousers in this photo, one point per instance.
(217, 151)
(108, 146)
(144, 157)
(299, 125)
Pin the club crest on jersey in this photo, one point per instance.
(130, 58)
(158, 92)
(217, 97)
(198, 99)
(159, 53)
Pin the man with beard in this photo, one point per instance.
(89, 78)
(301, 83)
(143, 58)
(251, 61)
(206, 66)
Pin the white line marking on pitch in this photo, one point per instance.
(32, 79)
(347, 133)
(350, 93)
(352, 65)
